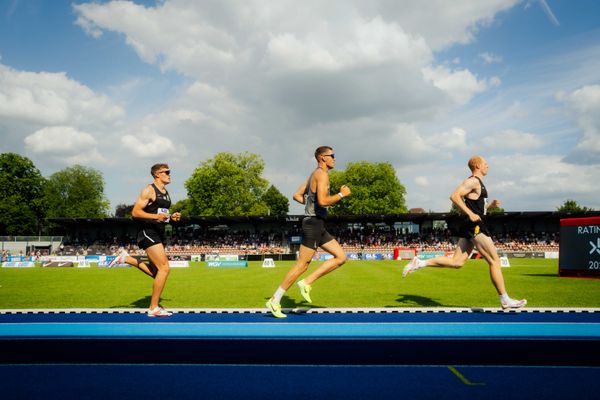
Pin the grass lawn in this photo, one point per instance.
(356, 284)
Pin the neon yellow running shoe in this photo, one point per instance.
(275, 309)
(305, 290)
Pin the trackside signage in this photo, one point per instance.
(579, 247)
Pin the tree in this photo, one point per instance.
(228, 184)
(571, 205)
(375, 189)
(76, 192)
(183, 207)
(22, 205)
(123, 210)
(277, 203)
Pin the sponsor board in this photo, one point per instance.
(226, 264)
(179, 264)
(59, 263)
(18, 264)
(426, 255)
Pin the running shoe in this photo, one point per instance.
(275, 309)
(305, 290)
(159, 312)
(119, 259)
(513, 304)
(412, 266)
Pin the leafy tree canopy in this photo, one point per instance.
(375, 189)
(277, 203)
(228, 185)
(76, 192)
(22, 205)
(571, 205)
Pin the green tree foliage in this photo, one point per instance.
(123, 210)
(76, 192)
(228, 184)
(571, 205)
(375, 189)
(495, 210)
(22, 206)
(183, 207)
(277, 203)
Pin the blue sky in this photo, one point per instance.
(119, 86)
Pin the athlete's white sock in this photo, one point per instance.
(504, 298)
(278, 295)
(421, 263)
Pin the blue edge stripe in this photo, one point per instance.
(301, 330)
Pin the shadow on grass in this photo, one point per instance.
(412, 300)
(144, 302)
(543, 275)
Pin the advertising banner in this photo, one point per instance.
(579, 247)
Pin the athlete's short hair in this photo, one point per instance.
(321, 150)
(156, 167)
(474, 162)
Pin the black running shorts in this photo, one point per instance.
(149, 236)
(469, 229)
(315, 234)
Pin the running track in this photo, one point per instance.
(388, 353)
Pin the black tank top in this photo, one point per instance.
(159, 206)
(479, 205)
(311, 204)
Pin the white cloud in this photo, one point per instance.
(455, 139)
(362, 43)
(59, 140)
(534, 181)
(512, 139)
(51, 99)
(490, 58)
(460, 85)
(148, 144)
(422, 181)
(585, 104)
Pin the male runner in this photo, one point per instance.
(314, 194)
(151, 209)
(471, 198)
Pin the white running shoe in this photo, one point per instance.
(159, 312)
(119, 259)
(513, 304)
(412, 266)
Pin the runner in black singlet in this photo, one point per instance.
(471, 199)
(314, 194)
(151, 210)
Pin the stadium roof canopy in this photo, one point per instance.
(417, 218)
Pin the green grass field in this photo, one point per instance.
(356, 284)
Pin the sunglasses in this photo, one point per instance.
(167, 172)
(332, 155)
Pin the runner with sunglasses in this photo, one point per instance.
(151, 209)
(314, 194)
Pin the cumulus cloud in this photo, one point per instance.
(533, 180)
(455, 139)
(460, 85)
(512, 139)
(585, 104)
(422, 181)
(51, 99)
(148, 144)
(490, 58)
(59, 140)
